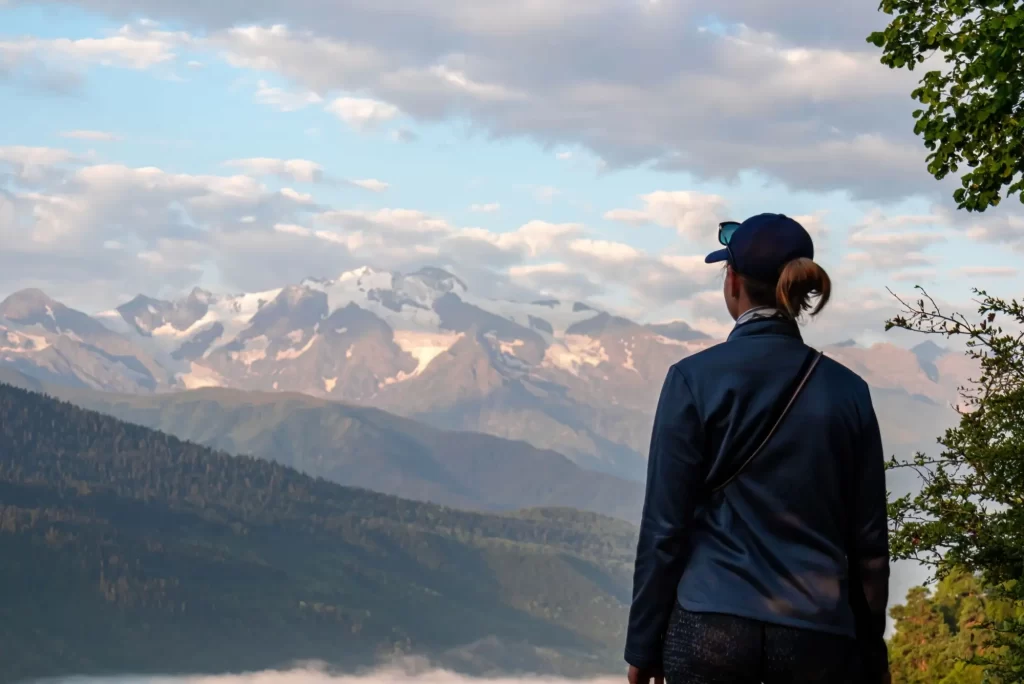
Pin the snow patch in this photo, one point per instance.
(255, 350)
(628, 365)
(24, 343)
(424, 347)
(168, 330)
(574, 352)
(509, 348)
(348, 352)
(295, 353)
(329, 384)
(201, 376)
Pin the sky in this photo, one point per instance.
(579, 149)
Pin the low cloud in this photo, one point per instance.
(371, 184)
(689, 213)
(97, 136)
(318, 674)
(362, 113)
(299, 170)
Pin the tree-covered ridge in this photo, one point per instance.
(365, 447)
(128, 550)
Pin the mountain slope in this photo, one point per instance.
(366, 447)
(560, 375)
(54, 342)
(128, 550)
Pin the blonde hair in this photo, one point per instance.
(800, 282)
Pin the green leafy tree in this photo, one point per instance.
(971, 107)
(920, 651)
(969, 513)
(937, 635)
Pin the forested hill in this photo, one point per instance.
(364, 447)
(127, 550)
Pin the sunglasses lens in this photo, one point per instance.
(726, 230)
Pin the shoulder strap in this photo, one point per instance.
(803, 381)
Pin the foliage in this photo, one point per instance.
(939, 634)
(127, 550)
(969, 513)
(971, 104)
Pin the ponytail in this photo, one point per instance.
(800, 282)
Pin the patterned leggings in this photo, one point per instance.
(710, 648)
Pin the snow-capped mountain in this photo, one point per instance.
(558, 374)
(53, 342)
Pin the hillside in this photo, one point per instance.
(127, 550)
(368, 448)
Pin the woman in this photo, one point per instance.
(763, 552)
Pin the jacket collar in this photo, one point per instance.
(766, 326)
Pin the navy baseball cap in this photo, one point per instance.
(762, 245)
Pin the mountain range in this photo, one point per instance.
(560, 375)
(127, 550)
(365, 447)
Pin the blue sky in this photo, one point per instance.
(568, 141)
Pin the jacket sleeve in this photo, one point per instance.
(674, 470)
(868, 554)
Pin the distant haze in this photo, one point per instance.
(413, 673)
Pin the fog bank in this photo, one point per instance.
(319, 674)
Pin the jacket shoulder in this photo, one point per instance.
(839, 373)
(708, 360)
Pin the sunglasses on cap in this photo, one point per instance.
(726, 229)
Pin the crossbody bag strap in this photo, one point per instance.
(785, 410)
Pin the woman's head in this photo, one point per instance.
(802, 287)
(770, 262)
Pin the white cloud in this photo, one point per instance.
(533, 239)
(489, 208)
(292, 229)
(97, 136)
(362, 113)
(409, 671)
(605, 250)
(34, 164)
(285, 100)
(772, 92)
(988, 271)
(300, 170)
(1002, 227)
(296, 196)
(129, 47)
(917, 276)
(172, 224)
(371, 184)
(317, 62)
(554, 279)
(484, 91)
(892, 242)
(693, 215)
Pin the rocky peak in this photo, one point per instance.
(27, 304)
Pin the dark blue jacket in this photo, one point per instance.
(773, 545)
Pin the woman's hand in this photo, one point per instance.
(639, 676)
